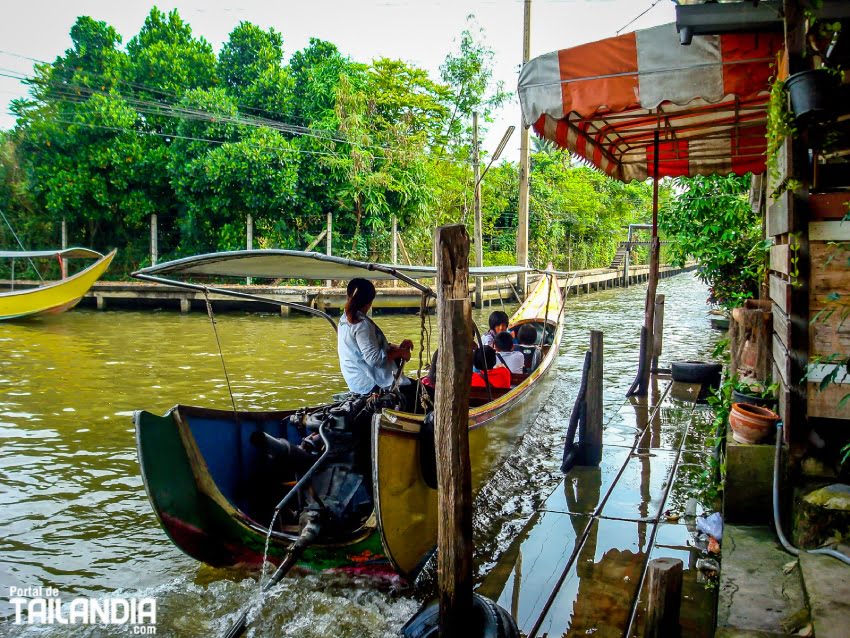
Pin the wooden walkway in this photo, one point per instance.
(577, 567)
(134, 295)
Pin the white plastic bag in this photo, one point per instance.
(712, 525)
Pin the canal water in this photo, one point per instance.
(73, 510)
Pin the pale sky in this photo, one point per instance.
(417, 31)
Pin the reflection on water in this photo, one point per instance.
(74, 512)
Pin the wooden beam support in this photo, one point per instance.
(454, 474)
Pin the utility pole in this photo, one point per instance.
(62, 265)
(329, 244)
(524, 166)
(394, 246)
(479, 247)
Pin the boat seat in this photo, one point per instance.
(533, 356)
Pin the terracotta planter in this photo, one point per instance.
(750, 423)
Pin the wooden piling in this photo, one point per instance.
(657, 331)
(663, 598)
(454, 474)
(592, 441)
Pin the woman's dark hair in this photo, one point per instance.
(361, 292)
(504, 341)
(485, 355)
(527, 335)
(497, 318)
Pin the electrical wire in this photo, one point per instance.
(639, 16)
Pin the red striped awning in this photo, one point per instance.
(603, 101)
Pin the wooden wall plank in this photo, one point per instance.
(828, 206)
(784, 395)
(780, 258)
(829, 231)
(781, 359)
(779, 215)
(830, 273)
(824, 403)
(780, 293)
(781, 325)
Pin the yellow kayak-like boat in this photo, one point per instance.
(56, 296)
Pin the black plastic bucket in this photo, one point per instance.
(811, 92)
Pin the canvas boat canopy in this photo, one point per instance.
(604, 101)
(68, 253)
(293, 264)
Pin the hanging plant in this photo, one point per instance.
(780, 125)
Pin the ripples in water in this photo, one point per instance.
(74, 512)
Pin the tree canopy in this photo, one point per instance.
(111, 134)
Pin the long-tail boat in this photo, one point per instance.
(231, 487)
(56, 296)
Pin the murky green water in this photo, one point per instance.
(73, 512)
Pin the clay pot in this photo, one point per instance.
(751, 423)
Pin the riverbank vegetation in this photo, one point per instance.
(711, 220)
(111, 134)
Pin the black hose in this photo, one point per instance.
(776, 521)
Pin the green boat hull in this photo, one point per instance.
(203, 522)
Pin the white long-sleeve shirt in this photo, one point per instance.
(362, 349)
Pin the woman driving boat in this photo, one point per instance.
(367, 360)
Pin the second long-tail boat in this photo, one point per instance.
(231, 487)
(55, 296)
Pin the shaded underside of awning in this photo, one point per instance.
(67, 253)
(604, 101)
(293, 264)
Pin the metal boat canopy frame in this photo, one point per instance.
(294, 264)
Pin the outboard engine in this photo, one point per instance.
(335, 451)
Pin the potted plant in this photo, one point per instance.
(812, 95)
(755, 393)
(812, 92)
(750, 423)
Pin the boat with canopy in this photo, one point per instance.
(55, 296)
(356, 474)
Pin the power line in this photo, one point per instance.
(640, 15)
(76, 93)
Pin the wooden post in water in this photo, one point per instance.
(663, 598)
(592, 440)
(154, 240)
(454, 475)
(658, 331)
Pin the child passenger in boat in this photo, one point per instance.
(485, 358)
(498, 323)
(506, 355)
(367, 360)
